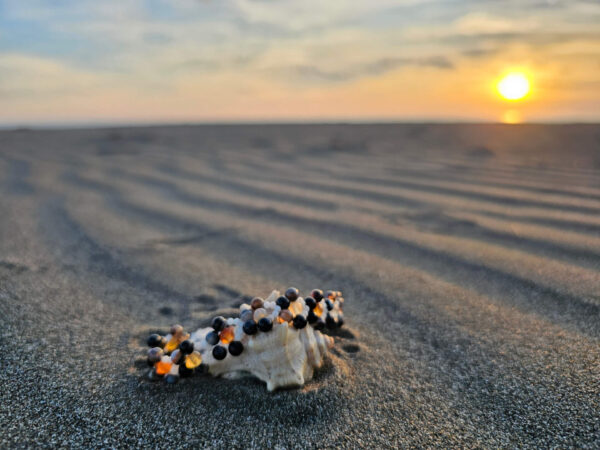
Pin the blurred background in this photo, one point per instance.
(148, 61)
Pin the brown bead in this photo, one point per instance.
(257, 302)
(176, 330)
(286, 315)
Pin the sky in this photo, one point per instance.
(150, 61)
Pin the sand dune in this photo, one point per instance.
(469, 255)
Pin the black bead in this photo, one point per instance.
(317, 294)
(319, 325)
(330, 322)
(250, 327)
(186, 347)
(310, 302)
(184, 372)
(312, 317)
(329, 304)
(219, 352)
(299, 322)
(171, 378)
(236, 348)
(156, 340)
(265, 324)
(212, 338)
(218, 323)
(340, 321)
(292, 294)
(283, 302)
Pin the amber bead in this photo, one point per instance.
(318, 310)
(163, 367)
(193, 360)
(257, 302)
(226, 336)
(286, 315)
(292, 294)
(172, 345)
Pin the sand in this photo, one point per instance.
(469, 256)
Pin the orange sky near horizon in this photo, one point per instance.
(189, 60)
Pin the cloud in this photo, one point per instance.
(370, 69)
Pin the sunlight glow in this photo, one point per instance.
(513, 86)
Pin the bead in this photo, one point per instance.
(227, 335)
(236, 348)
(265, 324)
(212, 337)
(318, 310)
(330, 322)
(172, 378)
(172, 345)
(155, 354)
(292, 294)
(257, 302)
(163, 367)
(184, 372)
(218, 323)
(296, 308)
(186, 347)
(329, 305)
(153, 376)
(330, 295)
(283, 302)
(250, 327)
(340, 321)
(156, 340)
(299, 322)
(286, 315)
(338, 294)
(310, 302)
(311, 317)
(219, 352)
(193, 360)
(176, 356)
(259, 314)
(247, 315)
(319, 325)
(176, 330)
(317, 294)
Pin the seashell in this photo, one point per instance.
(285, 356)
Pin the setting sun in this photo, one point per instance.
(513, 86)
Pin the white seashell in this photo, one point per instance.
(283, 357)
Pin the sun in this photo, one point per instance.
(513, 86)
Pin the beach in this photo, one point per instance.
(468, 255)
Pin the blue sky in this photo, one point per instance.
(194, 60)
